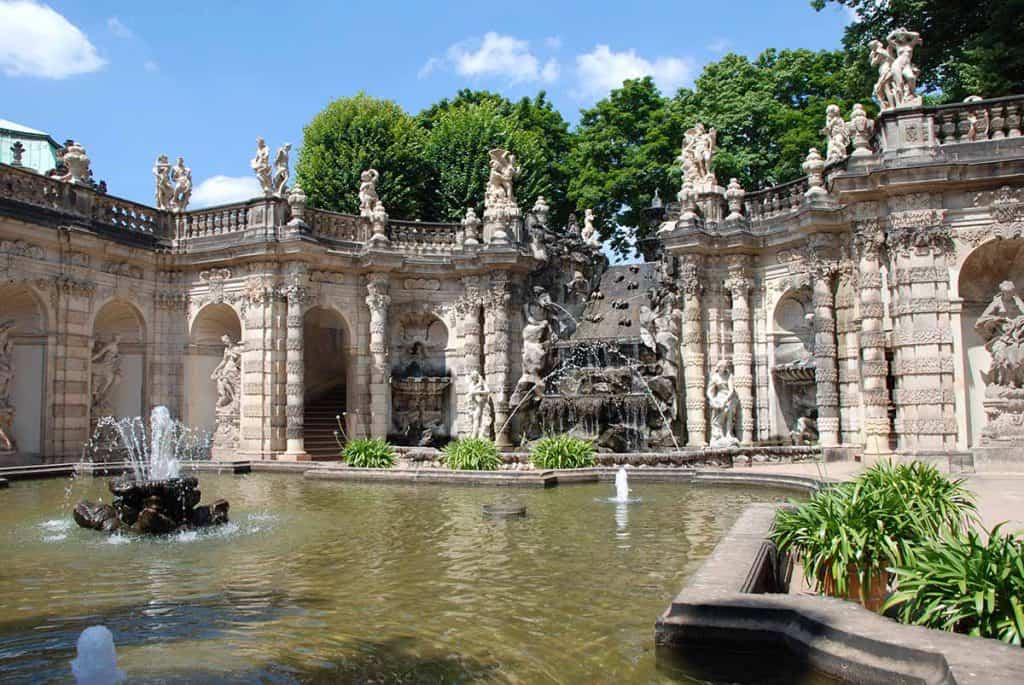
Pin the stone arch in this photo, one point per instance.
(977, 283)
(26, 390)
(329, 353)
(202, 355)
(792, 358)
(117, 360)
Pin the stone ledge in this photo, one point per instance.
(537, 479)
(3, 483)
(716, 610)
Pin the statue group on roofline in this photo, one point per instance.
(273, 179)
(173, 184)
(897, 76)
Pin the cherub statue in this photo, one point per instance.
(589, 233)
(698, 152)
(368, 198)
(281, 172)
(261, 166)
(836, 132)
(503, 172)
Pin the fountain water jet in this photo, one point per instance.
(95, 662)
(621, 485)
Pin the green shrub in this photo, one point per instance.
(857, 530)
(562, 452)
(964, 584)
(472, 454)
(369, 453)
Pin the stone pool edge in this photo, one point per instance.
(727, 603)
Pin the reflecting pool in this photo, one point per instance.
(322, 582)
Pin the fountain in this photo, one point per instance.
(621, 485)
(155, 498)
(96, 660)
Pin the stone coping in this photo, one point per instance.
(3, 483)
(720, 608)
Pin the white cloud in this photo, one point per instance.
(150, 66)
(35, 40)
(719, 45)
(429, 67)
(602, 70)
(118, 28)
(498, 55)
(220, 190)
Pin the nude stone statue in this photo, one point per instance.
(281, 172)
(699, 147)
(837, 133)
(6, 362)
(182, 177)
(480, 401)
(228, 374)
(723, 402)
(368, 198)
(502, 175)
(1001, 325)
(261, 166)
(589, 233)
(164, 189)
(106, 371)
(897, 76)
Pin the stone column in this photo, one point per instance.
(298, 297)
(472, 347)
(874, 368)
(258, 403)
(497, 350)
(380, 372)
(739, 284)
(690, 283)
(826, 375)
(848, 354)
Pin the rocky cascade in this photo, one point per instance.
(151, 507)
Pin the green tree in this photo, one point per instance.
(462, 132)
(623, 151)
(969, 48)
(354, 134)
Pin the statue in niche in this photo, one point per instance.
(697, 156)
(261, 166)
(106, 372)
(368, 198)
(6, 363)
(182, 177)
(480, 401)
(500, 181)
(1001, 325)
(805, 431)
(897, 76)
(589, 233)
(723, 403)
(837, 133)
(281, 172)
(164, 188)
(228, 375)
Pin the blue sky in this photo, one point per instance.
(132, 80)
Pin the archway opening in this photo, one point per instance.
(793, 367)
(118, 361)
(982, 273)
(23, 368)
(205, 351)
(326, 356)
(422, 397)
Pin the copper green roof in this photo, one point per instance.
(40, 149)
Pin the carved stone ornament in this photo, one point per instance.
(861, 129)
(916, 226)
(1007, 210)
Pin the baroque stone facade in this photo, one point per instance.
(871, 304)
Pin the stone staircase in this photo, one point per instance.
(320, 424)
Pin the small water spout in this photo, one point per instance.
(621, 485)
(96, 660)
(163, 464)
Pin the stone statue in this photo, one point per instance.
(470, 228)
(106, 372)
(805, 431)
(182, 177)
(480, 400)
(540, 212)
(699, 147)
(261, 166)
(660, 321)
(723, 402)
(228, 375)
(535, 345)
(164, 188)
(281, 172)
(368, 198)
(589, 233)
(17, 150)
(6, 362)
(1001, 325)
(500, 182)
(897, 76)
(837, 134)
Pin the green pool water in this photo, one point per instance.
(322, 582)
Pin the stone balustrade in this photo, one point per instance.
(763, 205)
(215, 221)
(966, 122)
(129, 216)
(337, 226)
(422, 236)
